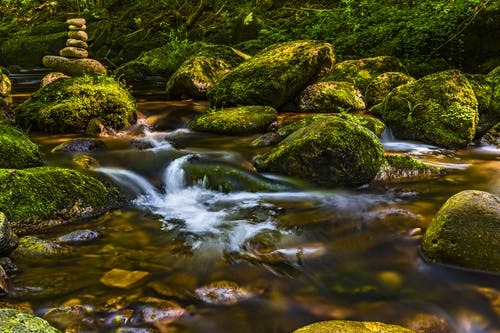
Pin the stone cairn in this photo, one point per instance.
(73, 59)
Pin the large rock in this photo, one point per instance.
(68, 105)
(236, 121)
(328, 152)
(466, 232)
(362, 71)
(8, 239)
(347, 326)
(331, 97)
(488, 115)
(16, 149)
(198, 73)
(383, 84)
(274, 75)
(73, 66)
(440, 108)
(39, 198)
(14, 321)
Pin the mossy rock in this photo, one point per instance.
(236, 121)
(198, 73)
(347, 326)
(39, 198)
(8, 239)
(5, 85)
(492, 137)
(329, 152)
(383, 84)
(404, 168)
(361, 72)
(68, 105)
(483, 90)
(16, 149)
(466, 232)
(226, 178)
(331, 97)
(14, 321)
(440, 108)
(274, 75)
(28, 50)
(34, 247)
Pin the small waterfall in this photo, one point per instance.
(132, 181)
(174, 176)
(387, 135)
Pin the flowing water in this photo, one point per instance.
(299, 254)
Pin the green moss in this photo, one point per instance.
(347, 326)
(489, 115)
(440, 108)
(236, 121)
(16, 150)
(34, 247)
(328, 152)
(404, 168)
(466, 232)
(383, 84)
(38, 198)
(331, 97)
(68, 105)
(13, 321)
(274, 75)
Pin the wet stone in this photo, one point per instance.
(76, 43)
(52, 77)
(222, 293)
(79, 237)
(121, 317)
(74, 52)
(80, 145)
(30, 246)
(121, 278)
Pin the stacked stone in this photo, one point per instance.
(73, 59)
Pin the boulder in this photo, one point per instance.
(383, 84)
(198, 73)
(236, 120)
(16, 149)
(74, 66)
(31, 247)
(493, 78)
(347, 326)
(68, 105)
(466, 232)
(492, 137)
(483, 90)
(5, 85)
(362, 71)
(8, 239)
(73, 52)
(440, 109)
(14, 321)
(331, 97)
(39, 198)
(274, 75)
(329, 152)
(404, 168)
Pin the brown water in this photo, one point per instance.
(338, 254)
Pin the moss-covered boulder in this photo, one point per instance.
(493, 78)
(331, 97)
(274, 75)
(198, 73)
(483, 90)
(34, 247)
(68, 105)
(466, 232)
(328, 152)
(404, 168)
(383, 84)
(347, 326)
(440, 108)
(14, 321)
(16, 149)
(236, 121)
(362, 71)
(492, 137)
(39, 198)
(5, 84)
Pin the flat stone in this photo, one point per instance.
(81, 35)
(76, 21)
(73, 27)
(73, 52)
(74, 66)
(76, 43)
(121, 278)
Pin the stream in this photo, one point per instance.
(298, 255)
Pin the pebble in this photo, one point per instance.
(76, 43)
(76, 21)
(81, 35)
(73, 52)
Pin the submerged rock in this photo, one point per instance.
(39, 198)
(328, 152)
(466, 232)
(361, 72)
(347, 326)
(236, 121)
(68, 105)
(16, 149)
(440, 108)
(223, 293)
(12, 320)
(34, 247)
(79, 145)
(121, 278)
(79, 237)
(331, 97)
(274, 75)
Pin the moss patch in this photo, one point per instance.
(38, 198)
(331, 97)
(67, 105)
(383, 84)
(16, 150)
(13, 321)
(236, 121)
(404, 168)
